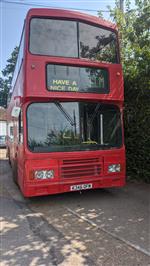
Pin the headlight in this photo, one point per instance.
(39, 174)
(44, 174)
(113, 168)
(49, 174)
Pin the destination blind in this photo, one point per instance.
(77, 79)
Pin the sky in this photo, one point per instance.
(13, 13)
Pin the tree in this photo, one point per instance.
(134, 28)
(7, 74)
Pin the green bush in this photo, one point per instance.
(134, 28)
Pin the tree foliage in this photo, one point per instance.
(134, 28)
(7, 74)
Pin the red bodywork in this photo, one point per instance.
(31, 87)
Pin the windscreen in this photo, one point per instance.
(66, 38)
(73, 126)
(97, 43)
(53, 37)
(77, 79)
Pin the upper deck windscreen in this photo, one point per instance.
(72, 39)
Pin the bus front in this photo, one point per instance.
(73, 130)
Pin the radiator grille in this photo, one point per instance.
(87, 167)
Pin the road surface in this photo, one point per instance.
(104, 227)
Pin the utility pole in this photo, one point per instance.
(122, 5)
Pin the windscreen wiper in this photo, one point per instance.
(94, 113)
(91, 119)
(66, 114)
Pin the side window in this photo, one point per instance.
(11, 131)
(17, 67)
(20, 128)
(19, 60)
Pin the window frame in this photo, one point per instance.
(107, 90)
(78, 44)
(107, 29)
(52, 18)
(116, 107)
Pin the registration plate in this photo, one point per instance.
(80, 187)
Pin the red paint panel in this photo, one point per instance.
(70, 168)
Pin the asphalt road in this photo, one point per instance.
(98, 227)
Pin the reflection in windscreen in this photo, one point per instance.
(72, 126)
(100, 46)
(72, 39)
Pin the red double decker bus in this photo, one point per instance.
(65, 112)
